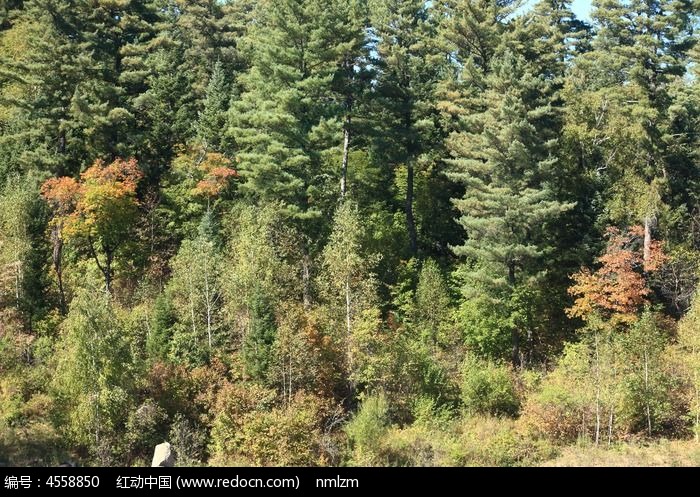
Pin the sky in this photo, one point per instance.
(582, 9)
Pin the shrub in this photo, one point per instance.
(488, 388)
(366, 430)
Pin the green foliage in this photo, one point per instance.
(195, 290)
(324, 232)
(562, 409)
(248, 429)
(93, 377)
(432, 308)
(261, 335)
(16, 205)
(689, 341)
(367, 428)
(488, 389)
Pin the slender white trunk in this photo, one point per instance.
(207, 296)
(346, 151)
(646, 388)
(348, 322)
(190, 298)
(647, 239)
(597, 391)
(697, 408)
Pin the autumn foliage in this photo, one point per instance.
(103, 190)
(618, 287)
(217, 173)
(61, 194)
(97, 210)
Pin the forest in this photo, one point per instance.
(349, 232)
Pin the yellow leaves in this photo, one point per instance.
(105, 195)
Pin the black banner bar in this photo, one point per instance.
(302, 481)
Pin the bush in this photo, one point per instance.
(488, 388)
(189, 441)
(366, 430)
(562, 409)
(487, 441)
(251, 430)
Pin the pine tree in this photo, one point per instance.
(212, 120)
(629, 130)
(504, 166)
(193, 37)
(297, 101)
(408, 71)
(84, 71)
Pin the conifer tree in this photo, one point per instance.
(297, 99)
(212, 120)
(630, 129)
(504, 166)
(408, 72)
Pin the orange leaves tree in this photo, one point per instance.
(203, 175)
(618, 288)
(216, 172)
(97, 211)
(61, 194)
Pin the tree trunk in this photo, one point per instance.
(646, 388)
(106, 270)
(410, 222)
(306, 278)
(597, 391)
(346, 151)
(697, 408)
(515, 333)
(108, 273)
(348, 338)
(57, 257)
(647, 239)
(209, 304)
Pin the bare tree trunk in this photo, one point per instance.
(646, 388)
(647, 239)
(306, 278)
(597, 391)
(346, 151)
(190, 294)
(697, 408)
(208, 303)
(515, 333)
(290, 375)
(106, 270)
(348, 323)
(410, 221)
(57, 257)
(18, 281)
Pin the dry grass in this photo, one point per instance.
(664, 453)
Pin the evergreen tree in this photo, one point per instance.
(193, 37)
(297, 99)
(84, 72)
(629, 127)
(408, 71)
(212, 120)
(505, 166)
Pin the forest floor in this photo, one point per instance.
(663, 453)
